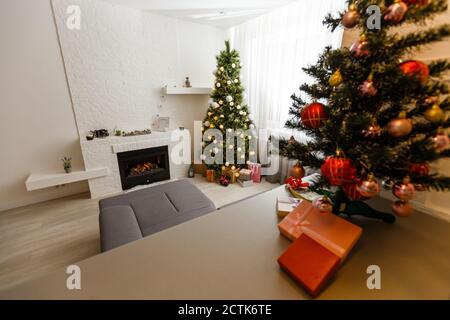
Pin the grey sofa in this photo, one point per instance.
(132, 216)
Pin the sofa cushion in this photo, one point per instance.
(118, 225)
(157, 208)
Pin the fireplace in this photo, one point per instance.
(143, 166)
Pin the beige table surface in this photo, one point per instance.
(231, 254)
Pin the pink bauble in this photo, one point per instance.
(441, 142)
(405, 190)
(323, 204)
(402, 209)
(368, 188)
(368, 88)
(395, 12)
(360, 48)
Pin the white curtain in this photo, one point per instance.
(274, 47)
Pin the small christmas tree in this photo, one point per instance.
(374, 114)
(228, 114)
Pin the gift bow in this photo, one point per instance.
(295, 183)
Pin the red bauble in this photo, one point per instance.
(224, 181)
(368, 188)
(415, 69)
(351, 192)
(313, 115)
(419, 169)
(405, 190)
(402, 209)
(338, 170)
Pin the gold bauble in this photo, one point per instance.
(335, 79)
(435, 113)
(211, 126)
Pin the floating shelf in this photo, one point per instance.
(184, 90)
(37, 181)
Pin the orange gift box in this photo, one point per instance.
(309, 263)
(331, 231)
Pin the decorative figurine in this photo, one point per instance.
(187, 83)
(67, 164)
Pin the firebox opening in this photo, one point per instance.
(143, 166)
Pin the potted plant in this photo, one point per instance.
(67, 164)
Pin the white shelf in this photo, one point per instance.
(184, 90)
(37, 181)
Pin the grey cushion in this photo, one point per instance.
(152, 209)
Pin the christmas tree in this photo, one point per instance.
(227, 126)
(374, 114)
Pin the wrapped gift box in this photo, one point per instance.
(285, 205)
(331, 231)
(245, 174)
(232, 174)
(210, 175)
(255, 168)
(309, 263)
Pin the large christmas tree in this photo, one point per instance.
(229, 115)
(374, 115)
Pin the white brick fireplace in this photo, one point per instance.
(103, 153)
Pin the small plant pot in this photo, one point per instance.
(68, 169)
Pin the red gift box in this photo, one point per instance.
(309, 263)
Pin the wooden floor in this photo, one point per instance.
(43, 237)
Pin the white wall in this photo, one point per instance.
(37, 126)
(437, 203)
(120, 59)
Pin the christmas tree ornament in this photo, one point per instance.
(313, 115)
(216, 118)
(207, 123)
(233, 65)
(224, 181)
(350, 189)
(335, 79)
(220, 102)
(373, 131)
(351, 17)
(434, 114)
(291, 140)
(338, 170)
(404, 190)
(402, 209)
(211, 126)
(218, 84)
(396, 12)
(297, 171)
(368, 88)
(400, 127)
(296, 183)
(324, 204)
(231, 103)
(415, 70)
(215, 105)
(360, 47)
(419, 169)
(369, 187)
(252, 126)
(441, 142)
(236, 80)
(222, 69)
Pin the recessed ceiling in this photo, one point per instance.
(219, 13)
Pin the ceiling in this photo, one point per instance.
(219, 13)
